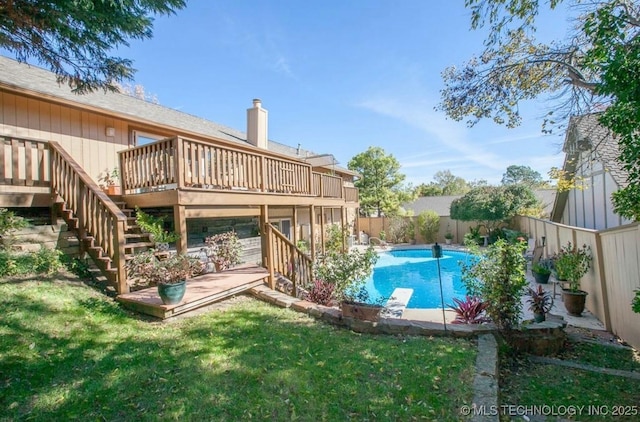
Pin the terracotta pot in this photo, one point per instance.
(574, 301)
(113, 190)
(362, 311)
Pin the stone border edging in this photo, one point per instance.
(585, 367)
(485, 383)
(383, 326)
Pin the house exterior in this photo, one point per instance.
(56, 148)
(591, 156)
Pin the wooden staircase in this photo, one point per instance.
(135, 240)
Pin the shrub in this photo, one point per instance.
(429, 225)
(635, 303)
(321, 292)
(469, 311)
(43, 261)
(346, 271)
(334, 238)
(498, 277)
(401, 229)
(9, 222)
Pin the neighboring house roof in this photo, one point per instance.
(23, 77)
(442, 204)
(439, 204)
(586, 135)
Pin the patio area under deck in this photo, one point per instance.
(201, 291)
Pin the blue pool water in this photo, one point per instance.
(416, 269)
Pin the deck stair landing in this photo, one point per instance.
(201, 291)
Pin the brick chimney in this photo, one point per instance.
(257, 125)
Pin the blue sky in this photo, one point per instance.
(338, 77)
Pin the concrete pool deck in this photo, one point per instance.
(587, 320)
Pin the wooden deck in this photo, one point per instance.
(201, 291)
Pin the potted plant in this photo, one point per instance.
(169, 274)
(448, 237)
(540, 302)
(570, 264)
(347, 273)
(109, 182)
(541, 270)
(155, 227)
(224, 250)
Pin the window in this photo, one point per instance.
(143, 138)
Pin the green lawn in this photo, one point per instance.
(616, 398)
(67, 352)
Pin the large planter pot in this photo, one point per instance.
(540, 277)
(574, 301)
(172, 294)
(362, 311)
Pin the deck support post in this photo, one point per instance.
(343, 220)
(180, 222)
(322, 230)
(312, 234)
(267, 251)
(294, 222)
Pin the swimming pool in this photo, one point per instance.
(416, 269)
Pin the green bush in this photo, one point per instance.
(346, 271)
(334, 238)
(9, 222)
(497, 275)
(401, 229)
(429, 225)
(44, 261)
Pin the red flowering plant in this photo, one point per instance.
(470, 310)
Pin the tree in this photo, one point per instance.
(450, 184)
(596, 68)
(522, 175)
(380, 184)
(430, 189)
(74, 38)
(492, 205)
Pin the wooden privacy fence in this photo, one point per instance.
(98, 217)
(372, 226)
(24, 162)
(285, 258)
(614, 273)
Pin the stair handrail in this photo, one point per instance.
(97, 214)
(291, 262)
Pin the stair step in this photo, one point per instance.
(135, 235)
(139, 245)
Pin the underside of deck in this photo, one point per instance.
(201, 291)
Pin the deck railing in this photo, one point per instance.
(97, 215)
(350, 194)
(284, 258)
(24, 162)
(185, 163)
(327, 186)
